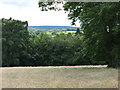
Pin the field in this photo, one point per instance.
(59, 77)
(65, 32)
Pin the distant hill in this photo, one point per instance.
(50, 27)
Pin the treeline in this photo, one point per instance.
(100, 22)
(19, 48)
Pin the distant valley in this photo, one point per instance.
(52, 28)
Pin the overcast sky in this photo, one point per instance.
(27, 10)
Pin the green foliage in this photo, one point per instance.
(101, 25)
(97, 44)
(60, 49)
(14, 38)
(23, 49)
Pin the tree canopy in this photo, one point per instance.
(14, 38)
(100, 22)
(97, 43)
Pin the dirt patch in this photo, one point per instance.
(83, 66)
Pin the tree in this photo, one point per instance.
(78, 31)
(101, 25)
(14, 40)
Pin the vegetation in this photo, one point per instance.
(50, 29)
(97, 43)
(38, 77)
(23, 49)
(100, 23)
(14, 42)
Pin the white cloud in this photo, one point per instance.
(30, 12)
(18, 3)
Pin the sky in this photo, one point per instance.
(27, 10)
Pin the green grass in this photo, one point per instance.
(58, 86)
(36, 77)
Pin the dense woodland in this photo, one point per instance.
(98, 44)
